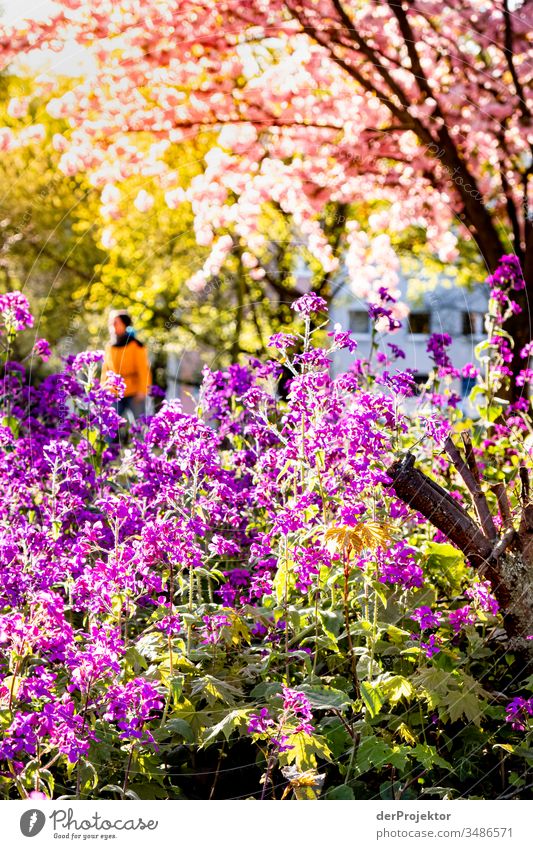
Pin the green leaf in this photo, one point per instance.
(92, 436)
(283, 579)
(343, 791)
(446, 563)
(304, 750)
(373, 698)
(135, 659)
(397, 687)
(455, 693)
(176, 687)
(12, 423)
(88, 775)
(375, 752)
(150, 645)
(337, 737)
(234, 721)
(215, 690)
(266, 689)
(326, 698)
(181, 727)
(113, 788)
(464, 704)
(428, 757)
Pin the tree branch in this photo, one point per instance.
(508, 50)
(503, 504)
(438, 506)
(472, 483)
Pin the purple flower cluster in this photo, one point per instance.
(508, 275)
(132, 706)
(398, 565)
(15, 312)
(41, 349)
(383, 315)
(461, 617)
(309, 304)
(426, 617)
(518, 712)
(294, 717)
(203, 540)
(211, 631)
(437, 346)
(481, 594)
(54, 725)
(260, 723)
(297, 706)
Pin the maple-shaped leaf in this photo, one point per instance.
(356, 538)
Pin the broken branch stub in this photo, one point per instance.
(438, 506)
(507, 561)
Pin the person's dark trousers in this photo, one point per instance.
(132, 405)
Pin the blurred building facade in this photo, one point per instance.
(446, 308)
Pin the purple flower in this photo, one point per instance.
(396, 352)
(260, 723)
(400, 383)
(437, 428)
(211, 631)
(55, 725)
(223, 547)
(169, 625)
(518, 712)
(15, 312)
(316, 358)
(425, 617)
(527, 350)
(502, 346)
(436, 348)
(41, 349)
(283, 340)
(469, 370)
(461, 617)
(87, 358)
(131, 706)
(297, 705)
(481, 594)
(398, 565)
(115, 384)
(508, 275)
(343, 339)
(431, 646)
(524, 376)
(377, 312)
(309, 303)
(386, 296)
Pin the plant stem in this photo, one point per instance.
(128, 767)
(346, 605)
(271, 761)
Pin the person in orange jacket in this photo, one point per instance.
(127, 357)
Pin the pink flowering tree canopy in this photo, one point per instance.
(416, 103)
(423, 107)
